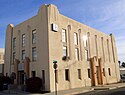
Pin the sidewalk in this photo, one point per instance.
(74, 91)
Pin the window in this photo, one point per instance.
(63, 35)
(56, 72)
(14, 43)
(23, 54)
(88, 39)
(85, 40)
(86, 55)
(79, 74)
(23, 40)
(109, 71)
(103, 72)
(89, 73)
(33, 36)
(34, 54)
(14, 56)
(76, 54)
(64, 51)
(33, 73)
(75, 39)
(67, 75)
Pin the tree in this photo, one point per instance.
(123, 64)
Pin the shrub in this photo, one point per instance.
(34, 84)
(4, 80)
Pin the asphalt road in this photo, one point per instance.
(119, 91)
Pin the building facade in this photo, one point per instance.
(1, 60)
(85, 56)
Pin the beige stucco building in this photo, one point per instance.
(85, 56)
(1, 60)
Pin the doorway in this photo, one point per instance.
(43, 80)
(21, 77)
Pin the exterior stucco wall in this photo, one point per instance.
(49, 47)
(56, 52)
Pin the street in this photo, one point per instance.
(119, 91)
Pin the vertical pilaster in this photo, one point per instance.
(26, 66)
(8, 49)
(115, 57)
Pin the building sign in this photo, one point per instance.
(54, 27)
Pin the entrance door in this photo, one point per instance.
(43, 79)
(97, 74)
(21, 77)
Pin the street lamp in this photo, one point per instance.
(55, 67)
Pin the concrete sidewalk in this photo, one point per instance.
(87, 89)
(110, 86)
(74, 91)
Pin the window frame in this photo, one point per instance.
(23, 54)
(14, 43)
(34, 54)
(23, 40)
(34, 36)
(76, 54)
(75, 38)
(64, 38)
(79, 74)
(67, 75)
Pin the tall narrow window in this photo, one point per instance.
(76, 54)
(103, 72)
(23, 40)
(85, 38)
(96, 46)
(108, 50)
(86, 55)
(67, 75)
(34, 54)
(75, 39)
(103, 54)
(14, 43)
(109, 71)
(64, 51)
(14, 55)
(89, 73)
(63, 35)
(33, 36)
(33, 73)
(23, 54)
(79, 74)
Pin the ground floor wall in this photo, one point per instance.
(108, 72)
(72, 74)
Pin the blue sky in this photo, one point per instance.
(105, 15)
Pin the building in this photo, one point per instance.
(1, 60)
(85, 56)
